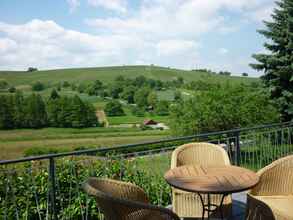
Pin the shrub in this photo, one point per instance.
(114, 108)
(36, 151)
(38, 86)
(222, 109)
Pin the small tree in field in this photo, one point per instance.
(32, 69)
(114, 108)
(38, 86)
(277, 63)
(3, 84)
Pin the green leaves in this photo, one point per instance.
(277, 65)
(222, 109)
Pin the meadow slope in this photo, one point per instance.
(107, 74)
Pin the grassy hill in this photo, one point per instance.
(107, 74)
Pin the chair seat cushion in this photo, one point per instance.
(282, 206)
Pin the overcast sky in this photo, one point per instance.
(189, 34)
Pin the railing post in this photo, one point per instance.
(53, 211)
(237, 148)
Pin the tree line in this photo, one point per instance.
(18, 111)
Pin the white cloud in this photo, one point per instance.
(114, 5)
(73, 4)
(45, 44)
(175, 47)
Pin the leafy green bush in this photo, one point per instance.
(35, 151)
(114, 108)
(26, 192)
(221, 109)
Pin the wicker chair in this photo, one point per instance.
(124, 201)
(186, 204)
(274, 191)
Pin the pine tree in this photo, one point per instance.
(54, 94)
(91, 117)
(277, 65)
(36, 115)
(64, 114)
(79, 113)
(53, 108)
(6, 112)
(19, 113)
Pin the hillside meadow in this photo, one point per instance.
(108, 74)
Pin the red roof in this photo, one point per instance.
(149, 122)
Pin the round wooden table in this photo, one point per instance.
(222, 180)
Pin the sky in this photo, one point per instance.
(187, 34)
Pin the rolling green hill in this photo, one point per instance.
(107, 74)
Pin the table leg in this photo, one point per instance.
(209, 207)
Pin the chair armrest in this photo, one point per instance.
(275, 179)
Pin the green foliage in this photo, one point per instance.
(203, 84)
(137, 111)
(140, 97)
(177, 96)
(6, 111)
(18, 111)
(32, 69)
(28, 188)
(12, 89)
(128, 94)
(36, 151)
(65, 84)
(35, 112)
(277, 64)
(222, 109)
(225, 73)
(3, 84)
(152, 99)
(162, 108)
(81, 88)
(114, 108)
(96, 88)
(38, 86)
(115, 90)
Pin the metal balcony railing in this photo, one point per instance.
(48, 186)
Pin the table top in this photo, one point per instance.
(213, 180)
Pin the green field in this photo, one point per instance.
(108, 74)
(14, 143)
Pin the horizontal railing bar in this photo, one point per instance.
(121, 147)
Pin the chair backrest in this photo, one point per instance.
(276, 178)
(124, 201)
(112, 196)
(205, 154)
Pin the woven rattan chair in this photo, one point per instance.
(124, 201)
(274, 191)
(186, 204)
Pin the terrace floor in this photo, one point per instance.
(238, 208)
